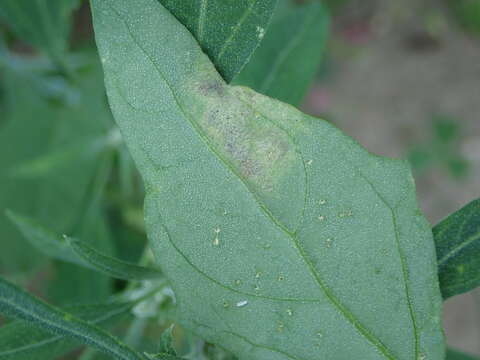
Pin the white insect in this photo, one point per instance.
(242, 303)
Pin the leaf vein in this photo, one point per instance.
(458, 249)
(405, 272)
(202, 17)
(236, 29)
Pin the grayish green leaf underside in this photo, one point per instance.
(282, 237)
(14, 302)
(228, 31)
(78, 252)
(458, 250)
(20, 341)
(285, 63)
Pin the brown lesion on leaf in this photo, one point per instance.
(258, 149)
(212, 87)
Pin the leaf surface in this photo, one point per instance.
(458, 250)
(20, 341)
(284, 65)
(282, 237)
(14, 302)
(228, 31)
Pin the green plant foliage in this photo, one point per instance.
(282, 237)
(73, 283)
(335, 5)
(78, 252)
(42, 239)
(216, 353)
(442, 150)
(163, 357)
(111, 266)
(458, 250)
(42, 23)
(467, 13)
(16, 303)
(166, 342)
(284, 65)
(456, 355)
(46, 188)
(20, 341)
(229, 31)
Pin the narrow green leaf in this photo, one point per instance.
(456, 355)
(42, 239)
(282, 237)
(111, 266)
(285, 63)
(14, 302)
(20, 341)
(166, 342)
(78, 252)
(458, 250)
(42, 23)
(228, 31)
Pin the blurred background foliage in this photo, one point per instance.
(402, 77)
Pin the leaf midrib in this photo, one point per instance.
(343, 310)
(237, 27)
(202, 19)
(458, 248)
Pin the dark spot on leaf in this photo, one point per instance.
(213, 88)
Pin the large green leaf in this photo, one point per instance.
(285, 63)
(282, 237)
(229, 31)
(458, 250)
(14, 302)
(42, 23)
